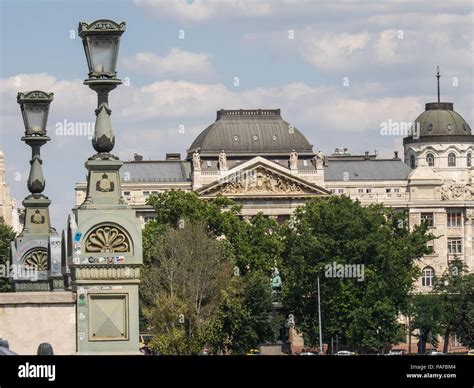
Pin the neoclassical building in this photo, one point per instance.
(268, 166)
(8, 206)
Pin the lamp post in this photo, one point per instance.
(34, 109)
(101, 41)
(31, 250)
(105, 237)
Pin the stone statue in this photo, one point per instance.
(222, 161)
(319, 160)
(293, 160)
(196, 161)
(276, 280)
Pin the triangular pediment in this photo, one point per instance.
(261, 178)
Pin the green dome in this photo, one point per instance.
(439, 119)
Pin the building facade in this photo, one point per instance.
(8, 207)
(267, 165)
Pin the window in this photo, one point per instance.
(126, 193)
(360, 191)
(430, 160)
(454, 219)
(412, 161)
(333, 191)
(454, 246)
(469, 160)
(451, 159)
(428, 219)
(147, 219)
(396, 190)
(146, 193)
(340, 191)
(427, 277)
(368, 191)
(388, 191)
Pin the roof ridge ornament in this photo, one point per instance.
(248, 112)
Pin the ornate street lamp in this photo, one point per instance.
(32, 249)
(106, 253)
(101, 40)
(34, 109)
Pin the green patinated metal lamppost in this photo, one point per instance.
(36, 251)
(104, 244)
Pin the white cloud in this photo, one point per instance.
(332, 52)
(178, 63)
(201, 10)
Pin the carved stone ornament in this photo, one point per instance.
(37, 218)
(260, 181)
(457, 192)
(37, 258)
(105, 185)
(107, 238)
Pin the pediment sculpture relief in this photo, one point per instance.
(259, 181)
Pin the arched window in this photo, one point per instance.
(430, 160)
(469, 160)
(412, 161)
(427, 277)
(451, 159)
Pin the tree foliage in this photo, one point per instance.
(242, 320)
(338, 230)
(181, 286)
(455, 292)
(7, 234)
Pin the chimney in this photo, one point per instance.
(173, 156)
(137, 158)
(395, 154)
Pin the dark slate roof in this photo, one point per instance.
(156, 171)
(243, 131)
(366, 170)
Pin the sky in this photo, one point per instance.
(337, 70)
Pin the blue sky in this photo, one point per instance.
(288, 54)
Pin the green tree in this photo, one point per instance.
(242, 320)
(257, 244)
(426, 320)
(361, 312)
(455, 291)
(181, 286)
(7, 234)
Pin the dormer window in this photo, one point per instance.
(236, 138)
(450, 127)
(430, 127)
(412, 161)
